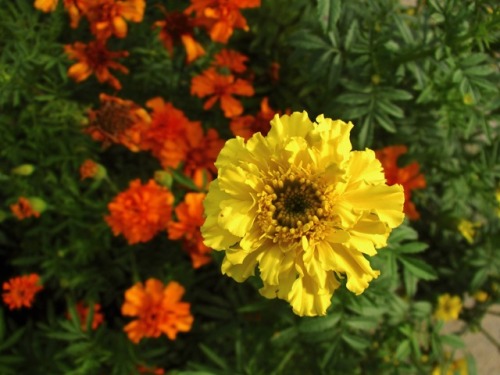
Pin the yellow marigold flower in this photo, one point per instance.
(303, 207)
(468, 229)
(448, 308)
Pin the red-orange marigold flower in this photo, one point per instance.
(223, 87)
(158, 309)
(141, 211)
(202, 151)
(83, 311)
(190, 218)
(221, 17)
(178, 27)
(167, 135)
(95, 58)
(107, 17)
(232, 60)
(88, 169)
(21, 290)
(407, 176)
(118, 121)
(23, 209)
(246, 126)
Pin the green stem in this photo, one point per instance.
(490, 338)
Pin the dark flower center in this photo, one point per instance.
(296, 203)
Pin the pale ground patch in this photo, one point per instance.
(486, 354)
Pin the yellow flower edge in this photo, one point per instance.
(303, 207)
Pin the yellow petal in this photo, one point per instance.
(270, 264)
(240, 272)
(216, 237)
(295, 125)
(355, 266)
(307, 301)
(386, 201)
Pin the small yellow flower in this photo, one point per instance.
(457, 367)
(303, 207)
(481, 296)
(468, 229)
(468, 99)
(448, 308)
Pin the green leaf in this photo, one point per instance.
(412, 248)
(304, 39)
(410, 282)
(12, 339)
(214, 357)
(384, 122)
(390, 108)
(479, 71)
(419, 268)
(403, 350)
(364, 323)
(318, 324)
(351, 35)
(401, 233)
(403, 28)
(355, 342)
(396, 94)
(453, 341)
(329, 13)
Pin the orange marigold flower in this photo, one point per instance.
(246, 126)
(107, 17)
(221, 17)
(202, 151)
(190, 218)
(407, 176)
(95, 58)
(177, 27)
(223, 87)
(158, 309)
(167, 135)
(232, 60)
(118, 121)
(24, 209)
(141, 211)
(83, 312)
(20, 291)
(88, 169)
(46, 5)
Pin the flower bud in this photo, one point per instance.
(23, 170)
(164, 178)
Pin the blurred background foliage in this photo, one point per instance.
(425, 75)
